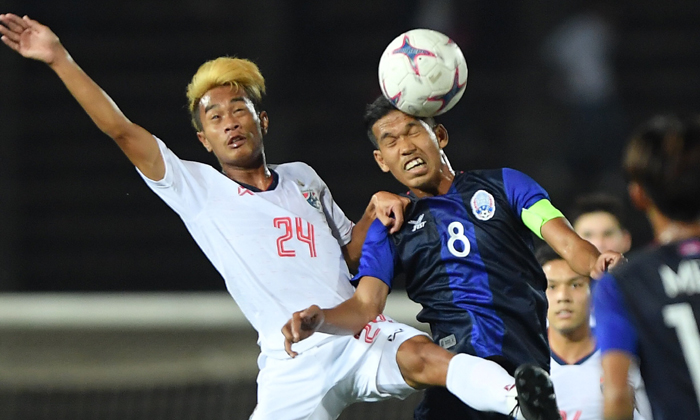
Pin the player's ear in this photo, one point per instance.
(627, 239)
(441, 134)
(264, 122)
(639, 198)
(203, 140)
(380, 161)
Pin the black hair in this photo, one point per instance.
(599, 202)
(380, 108)
(545, 254)
(663, 157)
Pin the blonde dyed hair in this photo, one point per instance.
(235, 72)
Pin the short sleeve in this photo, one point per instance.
(184, 186)
(521, 190)
(378, 255)
(614, 329)
(340, 225)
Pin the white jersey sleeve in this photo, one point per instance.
(340, 225)
(183, 186)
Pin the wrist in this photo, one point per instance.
(371, 210)
(60, 58)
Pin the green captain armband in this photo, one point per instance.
(538, 214)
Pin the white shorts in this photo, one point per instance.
(322, 381)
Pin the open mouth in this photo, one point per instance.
(414, 163)
(236, 141)
(564, 313)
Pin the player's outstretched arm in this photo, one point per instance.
(348, 318)
(36, 41)
(581, 255)
(385, 206)
(618, 396)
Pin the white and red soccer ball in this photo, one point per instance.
(423, 73)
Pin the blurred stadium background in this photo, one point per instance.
(108, 310)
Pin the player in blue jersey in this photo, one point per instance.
(650, 308)
(466, 252)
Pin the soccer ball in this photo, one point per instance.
(423, 73)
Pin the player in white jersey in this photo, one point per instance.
(281, 243)
(575, 367)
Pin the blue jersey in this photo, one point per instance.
(468, 260)
(650, 307)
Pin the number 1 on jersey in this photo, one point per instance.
(289, 228)
(680, 316)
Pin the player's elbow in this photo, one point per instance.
(121, 132)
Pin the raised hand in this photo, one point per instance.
(389, 209)
(301, 326)
(606, 261)
(30, 38)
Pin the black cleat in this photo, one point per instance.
(536, 399)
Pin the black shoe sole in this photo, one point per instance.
(536, 393)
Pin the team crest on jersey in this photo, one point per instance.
(312, 198)
(483, 205)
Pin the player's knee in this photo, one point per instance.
(422, 362)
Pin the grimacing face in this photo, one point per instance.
(231, 127)
(604, 231)
(569, 296)
(410, 150)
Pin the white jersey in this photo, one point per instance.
(578, 389)
(279, 251)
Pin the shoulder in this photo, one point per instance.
(177, 168)
(295, 169)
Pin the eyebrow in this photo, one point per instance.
(212, 106)
(567, 280)
(407, 127)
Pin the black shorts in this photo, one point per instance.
(440, 404)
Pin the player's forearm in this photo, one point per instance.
(353, 250)
(581, 256)
(351, 316)
(348, 318)
(98, 105)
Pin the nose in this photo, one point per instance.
(406, 145)
(563, 295)
(231, 123)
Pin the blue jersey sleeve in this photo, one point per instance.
(521, 190)
(614, 329)
(378, 255)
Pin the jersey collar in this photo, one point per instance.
(273, 185)
(581, 361)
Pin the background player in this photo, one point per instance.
(650, 307)
(466, 251)
(275, 235)
(575, 363)
(599, 218)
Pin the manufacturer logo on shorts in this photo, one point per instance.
(447, 342)
(392, 337)
(418, 223)
(483, 205)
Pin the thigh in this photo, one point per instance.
(294, 388)
(379, 377)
